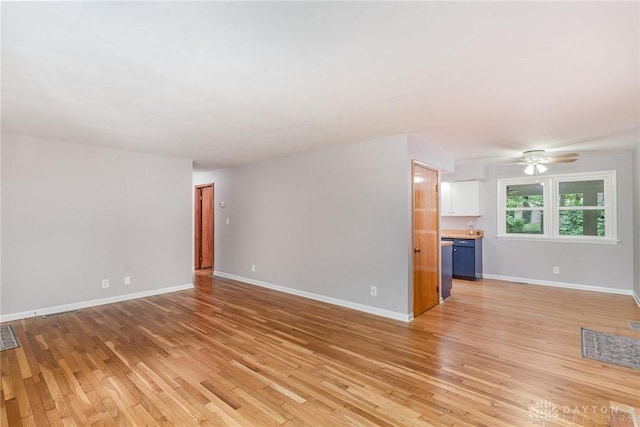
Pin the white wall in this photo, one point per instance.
(73, 215)
(636, 219)
(468, 172)
(592, 265)
(0, 223)
(331, 223)
(430, 154)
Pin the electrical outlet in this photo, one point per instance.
(556, 270)
(253, 268)
(127, 280)
(374, 291)
(105, 283)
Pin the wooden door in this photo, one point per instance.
(203, 226)
(426, 243)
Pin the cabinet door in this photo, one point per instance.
(445, 199)
(465, 198)
(464, 261)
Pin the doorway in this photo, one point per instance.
(203, 233)
(426, 241)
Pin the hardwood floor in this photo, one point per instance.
(227, 353)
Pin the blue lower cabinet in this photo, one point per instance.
(467, 259)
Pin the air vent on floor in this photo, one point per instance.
(60, 313)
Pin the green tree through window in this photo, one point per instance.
(525, 204)
(571, 207)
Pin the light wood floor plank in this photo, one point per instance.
(227, 353)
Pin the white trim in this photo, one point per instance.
(92, 303)
(335, 301)
(521, 280)
(568, 239)
(636, 297)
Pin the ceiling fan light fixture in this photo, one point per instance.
(535, 160)
(533, 156)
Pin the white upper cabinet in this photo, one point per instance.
(460, 198)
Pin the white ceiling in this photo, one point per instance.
(231, 83)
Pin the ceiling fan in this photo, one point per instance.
(536, 160)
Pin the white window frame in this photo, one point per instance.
(551, 209)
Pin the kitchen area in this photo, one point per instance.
(461, 248)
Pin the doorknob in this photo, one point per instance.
(416, 250)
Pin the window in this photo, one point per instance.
(578, 207)
(525, 208)
(581, 208)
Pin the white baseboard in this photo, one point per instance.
(91, 303)
(579, 287)
(637, 298)
(335, 301)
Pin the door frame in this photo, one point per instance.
(197, 223)
(415, 163)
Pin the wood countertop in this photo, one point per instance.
(446, 243)
(461, 234)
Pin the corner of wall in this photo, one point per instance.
(636, 223)
(337, 190)
(430, 154)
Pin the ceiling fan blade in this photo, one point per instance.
(564, 155)
(556, 160)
